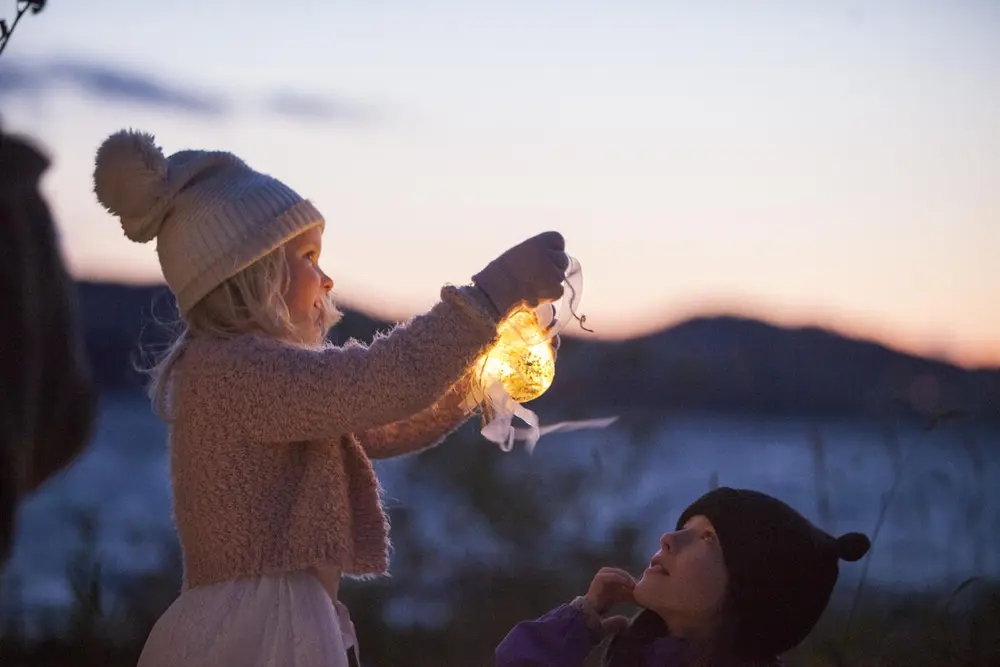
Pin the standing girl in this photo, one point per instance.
(271, 429)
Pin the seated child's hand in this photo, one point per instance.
(531, 272)
(611, 586)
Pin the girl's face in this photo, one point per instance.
(308, 290)
(685, 582)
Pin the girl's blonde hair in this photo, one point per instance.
(252, 301)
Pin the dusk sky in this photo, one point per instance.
(828, 162)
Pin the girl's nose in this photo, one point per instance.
(667, 542)
(327, 282)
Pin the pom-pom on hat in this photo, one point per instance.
(210, 213)
(781, 567)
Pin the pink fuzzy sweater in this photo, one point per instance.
(271, 443)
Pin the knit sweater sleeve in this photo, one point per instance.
(263, 390)
(421, 431)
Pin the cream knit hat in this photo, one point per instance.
(211, 214)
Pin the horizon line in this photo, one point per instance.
(391, 314)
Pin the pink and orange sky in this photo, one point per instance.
(829, 162)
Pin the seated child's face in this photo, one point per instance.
(308, 286)
(685, 582)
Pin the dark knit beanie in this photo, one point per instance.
(781, 567)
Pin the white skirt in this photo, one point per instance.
(285, 620)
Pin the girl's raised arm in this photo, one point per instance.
(264, 390)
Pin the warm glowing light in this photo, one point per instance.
(522, 360)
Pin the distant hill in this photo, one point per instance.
(717, 363)
(744, 365)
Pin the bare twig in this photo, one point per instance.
(22, 8)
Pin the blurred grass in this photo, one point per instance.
(890, 628)
(111, 615)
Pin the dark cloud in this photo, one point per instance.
(111, 83)
(105, 82)
(313, 107)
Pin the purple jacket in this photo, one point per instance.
(561, 638)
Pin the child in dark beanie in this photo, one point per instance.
(742, 579)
